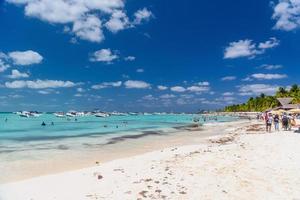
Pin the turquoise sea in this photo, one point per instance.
(28, 149)
(21, 134)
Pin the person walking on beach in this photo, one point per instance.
(285, 122)
(276, 122)
(269, 121)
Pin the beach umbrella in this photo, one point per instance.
(278, 112)
(296, 110)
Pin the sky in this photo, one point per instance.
(141, 55)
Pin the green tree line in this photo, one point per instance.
(263, 102)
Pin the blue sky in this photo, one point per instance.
(139, 55)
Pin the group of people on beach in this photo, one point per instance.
(287, 121)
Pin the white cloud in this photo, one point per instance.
(3, 65)
(228, 78)
(88, 28)
(48, 91)
(271, 43)
(271, 67)
(117, 22)
(256, 89)
(198, 89)
(167, 96)
(178, 89)
(104, 55)
(142, 15)
(80, 90)
(28, 57)
(162, 87)
(84, 15)
(140, 70)
(247, 48)
(268, 76)
(228, 94)
(149, 97)
(39, 84)
(78, 95)
(132, 84)
(204, 83)
(15, 74)
(129, 58)
(287, 14)
(107, 85)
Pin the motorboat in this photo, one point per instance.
(59, 114)
(101, 114)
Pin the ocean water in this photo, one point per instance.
(28, 149)
(18, 134)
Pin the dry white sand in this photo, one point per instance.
(252, 166)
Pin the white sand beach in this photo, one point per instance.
(246, 163)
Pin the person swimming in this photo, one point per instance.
(43, 124)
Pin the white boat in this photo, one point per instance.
(24, 114)
(118, 113)
(71, 114)
(59, 114)
(34, 114)
(99, 114)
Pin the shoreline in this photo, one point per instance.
(66, 160)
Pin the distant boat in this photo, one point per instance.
(118, 113)
(59, 114)
(71, 114)
(100, 114)
(28, 114)
(24, 114)
(34, 114)
(133, 113)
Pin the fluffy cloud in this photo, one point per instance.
(80, 90)
(88, 28)
(204, 83)
(198, 89)
(228, 94)
(228, 78)
(142, 15)
(268, 76)
(178, 89)
(247, 48)
(162, 87)
(15, 74)
(287, 14)
(39, 84)
(167, 96)
(25, 57)
(3, 64)
(107, 85)
(256, 89)
(140, 70)
(86, 16)
(117, 22)
(104, 55)
(132, 84)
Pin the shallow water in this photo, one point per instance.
(18, 134)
